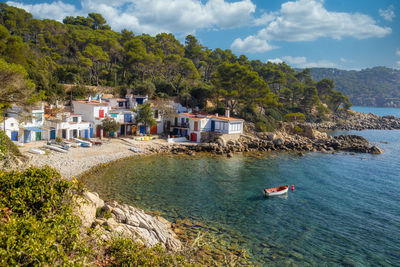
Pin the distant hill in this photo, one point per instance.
(378, 86)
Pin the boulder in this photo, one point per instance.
(375, 150)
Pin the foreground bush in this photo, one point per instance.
(38, 227)
(37, 221)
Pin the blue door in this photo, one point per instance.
(14, 136)
(212, 126)
(127, 117)
(86, 133)
(142, 129)
(27, 136)
(52, 133)
(186, 133)
(122, 131)
(182, 122)
(91, 132)
(139, 100)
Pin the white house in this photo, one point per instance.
(93, 111)
(10, 126)
(126, 118)
(31, 125)
(68, 125)
(194, 125)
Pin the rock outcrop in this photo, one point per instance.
(114, 219)
(359, 121)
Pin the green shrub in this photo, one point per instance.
(295, 117)
(128, 253)
(38, 226)
(7, 145)
(298, 129)
(103, 213)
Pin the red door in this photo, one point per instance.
(101, 113)
(153, 129)
(193, 137)
(196, 125)
(98, 131)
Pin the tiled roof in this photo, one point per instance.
(201, 116)
(92, 102)
(225, 118)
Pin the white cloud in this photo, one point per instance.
(398, 52)
(265, 18)
(343, 60)
(154, 16)
(308, 20)
(302, 62)
(275, 60)
(251, 44)
(56, 10)
(387, 14)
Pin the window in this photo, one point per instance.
(120, 104)
(226, 126)
(75, 119)
(156, 114)
(11, 124)
(114, 115)
(38, 117)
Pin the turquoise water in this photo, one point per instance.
(344, 211)
(378, 111)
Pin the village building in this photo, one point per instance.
(10, 126)
(67, 125)
(200, 127)
(93, 111)
(30, 124)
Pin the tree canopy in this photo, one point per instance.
(86, 51)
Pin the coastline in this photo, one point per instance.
(80, 161)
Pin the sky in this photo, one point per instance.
(344, 34)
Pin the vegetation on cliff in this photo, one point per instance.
(86, 51)
(378, 86)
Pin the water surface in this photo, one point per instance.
(344, 210)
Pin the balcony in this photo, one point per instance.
(181, 126)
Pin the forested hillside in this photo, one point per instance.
(379, 86)
(86, 51)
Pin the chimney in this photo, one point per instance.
(100, 100)
(216, 115)
(90, 99)
(227, 112)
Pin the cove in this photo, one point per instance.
(344, 210)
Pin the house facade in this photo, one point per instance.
(30, 124)
(68, 125)
(10, 126)
(198, 127)
(93, 111)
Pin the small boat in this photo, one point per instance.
(276, 191)
(56, 148)
(85, 145)
(135, 149)
(88, 144)
(36, 151)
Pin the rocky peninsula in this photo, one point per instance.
(358, 121)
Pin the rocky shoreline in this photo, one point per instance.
(288, 138)
(359, 121)
(111, 219)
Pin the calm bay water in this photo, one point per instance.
(345, 210)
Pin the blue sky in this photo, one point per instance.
(345, 34)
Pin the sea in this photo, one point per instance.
(344, 210)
